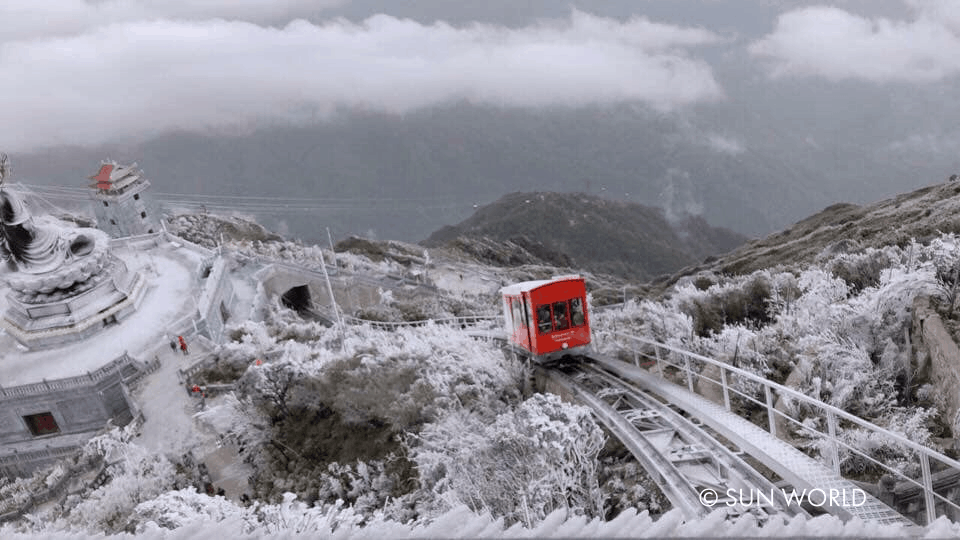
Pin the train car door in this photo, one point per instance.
(521, 334)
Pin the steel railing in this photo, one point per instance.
(684, 363)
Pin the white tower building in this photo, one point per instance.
(119, 204)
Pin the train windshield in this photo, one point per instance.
(576, 312)
(544, 324)
(560, 319)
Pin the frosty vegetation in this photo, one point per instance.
(427, 429)
(403, 423)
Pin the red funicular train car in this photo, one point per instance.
(547, 318)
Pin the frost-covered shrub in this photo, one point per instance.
(656, 320)
(738, 302)
(626, 486)
(135, 475)
(187, 508)
(862, 270)
(913, 424)
(842, 374)
(15, 493)
(367, 487)
(521, 465)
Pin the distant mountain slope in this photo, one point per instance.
(590, 233)
(918, 215)
(403, 176)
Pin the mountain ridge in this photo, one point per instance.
(584, 231)
(918, 215)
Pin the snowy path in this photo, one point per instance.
(171, 429)
(168, 409)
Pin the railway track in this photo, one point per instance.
(697, 472)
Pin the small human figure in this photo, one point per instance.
(183, 345)
(221, 492)
(173, 345)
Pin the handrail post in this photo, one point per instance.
(689, 370)
(726, 390)
(832, 430)
(636, 359)
(770, 417)
(656, 351)
(927, 488)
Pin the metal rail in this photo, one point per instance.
(463, 322)
(684, 365)
(686, 461)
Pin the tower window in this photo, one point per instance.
(143, 214)
(41, 424)
(105, 203)
(136, 196)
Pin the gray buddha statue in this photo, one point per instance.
(44, 245)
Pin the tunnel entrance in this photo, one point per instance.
(297, 298)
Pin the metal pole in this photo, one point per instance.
(686, 367)
(832, 430)
(927, 488)
(726, 392)
(336, 310)
(332, 251)
(770, 417)
(656, 351)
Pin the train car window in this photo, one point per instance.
(528, 314)
(516, 310)
(576, 312)
(544, 324)
(521, 305)
(560, 318)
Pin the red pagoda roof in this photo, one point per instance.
(102, 178)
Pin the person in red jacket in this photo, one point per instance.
(183, 344)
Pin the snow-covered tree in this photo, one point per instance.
(521, 466)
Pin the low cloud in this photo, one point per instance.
(930, 144)
(47, 18)
(130, 80)
(835, 44)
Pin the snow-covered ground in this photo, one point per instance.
(462, 279)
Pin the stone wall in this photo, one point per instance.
(80, 406)
(936, 355)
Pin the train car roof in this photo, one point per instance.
(526, 286)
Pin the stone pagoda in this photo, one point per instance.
(119, 204)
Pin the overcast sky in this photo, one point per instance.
(87, 72)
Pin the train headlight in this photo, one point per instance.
(565, 346)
